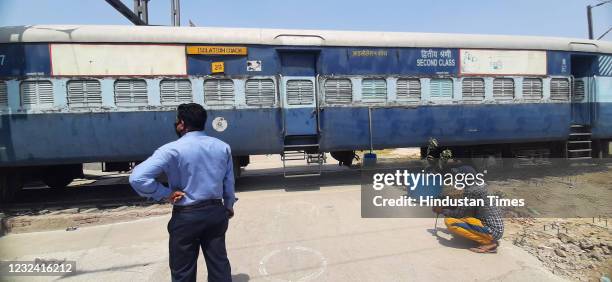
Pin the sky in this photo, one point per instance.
(566, 18)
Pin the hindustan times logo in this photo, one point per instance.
(421, 179)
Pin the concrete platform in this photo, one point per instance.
(314, 233)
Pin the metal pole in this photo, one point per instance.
(176, 12)
(126, 12)
(370, 127)
(590, 21)
(142, 10)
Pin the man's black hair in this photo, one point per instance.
(194, 116)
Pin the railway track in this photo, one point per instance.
(40, 200)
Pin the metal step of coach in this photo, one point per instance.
(579, 144)
(300, 150)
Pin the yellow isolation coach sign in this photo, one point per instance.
(216, 50)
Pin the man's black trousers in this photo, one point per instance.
(194, 228)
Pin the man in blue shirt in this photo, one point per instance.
(201, 188)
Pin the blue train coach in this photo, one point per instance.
(76, 94)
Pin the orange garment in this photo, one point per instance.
(470, 228)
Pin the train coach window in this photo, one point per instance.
(338, 91)
(441, 88)
(175, 91)
(3, 94)
(374, 90)
(131, 93)
(219, 92)
(532, 89)
(578, 90)
(559, 89)
(36, 92)
(84, 93)
(503, 89)
(260, 92)
(473, 89)
(409, 89)
(300, 92)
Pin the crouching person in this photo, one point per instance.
(483, 224)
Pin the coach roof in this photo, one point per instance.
(216, 35)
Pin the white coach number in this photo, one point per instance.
(2, 60)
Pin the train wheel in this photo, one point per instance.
(344, 157)
(60, 176)
(10, 184)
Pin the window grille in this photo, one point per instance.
(409, 89)
(503, 89)
(374, 90)
(84, 93)
(175, 91)
(260, 92)
(338, 91)
(37, 92)
(219, 92)
(131, 93)
(300, 92)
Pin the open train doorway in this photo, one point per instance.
(583, 69)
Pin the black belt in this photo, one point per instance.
(198, 205)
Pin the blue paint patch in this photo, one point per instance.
(31, 59)
(602, 124)
(559, 63)
(581, 113)
(123, 136)
(300, 121)
(347, 128)
(298, 64)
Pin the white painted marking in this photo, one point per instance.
(118, 59)
(297, 249)
(219, 124)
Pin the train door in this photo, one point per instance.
(583, 94)
(298, 87)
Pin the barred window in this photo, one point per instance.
(338, 91)
(578, 90)
(441, 88)
(503, 89)
(409, 89)
(84, 93)
(175, 91)
(131, 93)
(374, 90)
(559, 89)
(473, 89)
(3, 94)
(36, 92)
(260, 92)
(532, 89)
(219, 92)
(300, 92)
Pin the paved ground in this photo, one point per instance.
(284, 230)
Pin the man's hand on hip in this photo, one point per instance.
(175, 196)
(230, 212)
